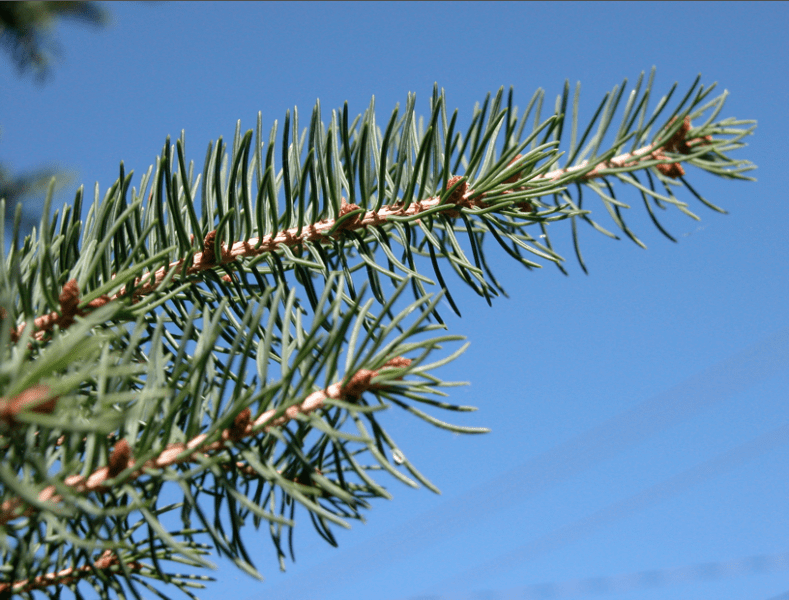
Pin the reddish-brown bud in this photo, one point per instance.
(99, 302)
(239, 428)
(38, 399)
(346, 208)
(673, 170)
(119, 459)
(516, 176)
(106, 560)
(359, 383)
(69, 300)
(678, 141)
(457, 195)
(398, 361)
(209, 253)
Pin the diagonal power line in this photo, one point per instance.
(655, 494)
(687, 399)
(642, 580)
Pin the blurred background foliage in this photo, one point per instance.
(27, 34)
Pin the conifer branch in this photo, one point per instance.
(122, 456)
(195, 334)
(328, 230)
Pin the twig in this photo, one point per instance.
(243, 426)
(326, 230)
(105, 562)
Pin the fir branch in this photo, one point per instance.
(147, 344)
(354, 218)
(122, 457)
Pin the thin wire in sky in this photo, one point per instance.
(630, 582)
(696, 394)
(655, 494)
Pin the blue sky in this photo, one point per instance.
(638, 414)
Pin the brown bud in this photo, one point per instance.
(69, 300)
(239, 428)
(99, 302)
(119, 459)
(345, 208)
(106, 560)
(678, 141)
(673, 170)
(209, 254)
(397, 362)
(37, 398)
(516, 176)
(69, 297)
(359, 383)
(457, 195)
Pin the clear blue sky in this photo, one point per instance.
(677, 354)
